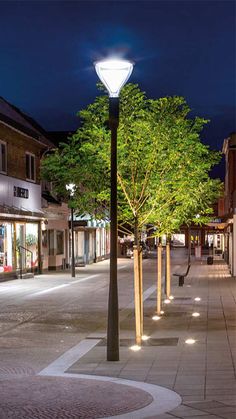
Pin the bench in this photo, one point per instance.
(182, 274)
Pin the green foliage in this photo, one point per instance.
(162, 165)
(31, 239)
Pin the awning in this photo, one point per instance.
(8, 212)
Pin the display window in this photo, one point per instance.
(6, 247)
(18, 246)
(31, 241)
(27, 245)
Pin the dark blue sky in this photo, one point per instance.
(182, 48)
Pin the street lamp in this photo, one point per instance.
(71, 188)
(113, 73)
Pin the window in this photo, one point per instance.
(56, 242)
(60, 242)
(44, 238)
(51, 242)
(30, 166)
(3, 157)
(6, 247)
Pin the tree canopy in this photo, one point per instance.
(163, 167)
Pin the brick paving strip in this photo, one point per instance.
(147, 399)
(54, 393)
(57, 397)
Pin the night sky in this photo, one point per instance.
(187, 48)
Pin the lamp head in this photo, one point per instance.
(114, 73)
(71, 188)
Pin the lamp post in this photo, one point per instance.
(113, 73)
(71, 188)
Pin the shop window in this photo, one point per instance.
(30, 166)
(178, 239)
(3, 157)
(51, 242)
(45, 238)
(6, 247)
(60, 242)
(56, 242)
(31, 241)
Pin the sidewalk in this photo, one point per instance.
(82, 384)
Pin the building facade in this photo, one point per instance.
(34, 226)
(55, 232)
(92, 240)
(21, 146)
(228, 204)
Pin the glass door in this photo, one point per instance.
(20, 246)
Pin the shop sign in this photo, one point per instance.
(21, 192)
(216, 220)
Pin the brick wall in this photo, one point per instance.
(229, 150)
(17, 145)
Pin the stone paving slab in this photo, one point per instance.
(201, 373)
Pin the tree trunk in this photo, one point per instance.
(168, 268)
(137, 305)
(141, 288)
(189, 246)
(138, 285)
(136, 232)
(159, 275)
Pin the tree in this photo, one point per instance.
(161, 165)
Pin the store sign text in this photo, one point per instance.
(21, 192)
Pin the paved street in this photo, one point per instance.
(53, 349)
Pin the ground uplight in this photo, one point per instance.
(135, 348)
(145, 337)
(190, 341)
(156, 317)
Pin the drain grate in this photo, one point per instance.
(175, 313)
(149, 342)
(7, 371)
(182, 298)
(175, 299)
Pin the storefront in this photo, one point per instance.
(19, 245)
(55, 237)
(92, 240)
(230, 244)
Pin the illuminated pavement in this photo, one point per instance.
(53, 347)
